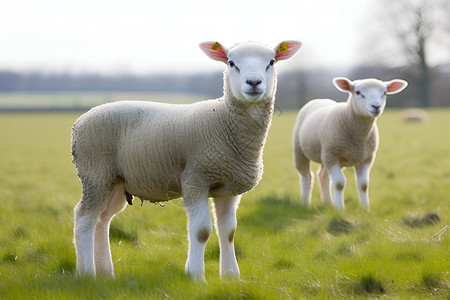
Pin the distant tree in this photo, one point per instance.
(414, 28)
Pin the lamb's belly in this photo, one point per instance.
(237, 185)
(168, 188)
(222, 189)
(161, 180)
(312, 151)
(153, 190)
(349, 160)
(153, 186)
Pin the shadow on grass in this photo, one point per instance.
(283, 264)
(338, 226)
(118, 233)
(274, 214)
(9, 257)
(370, 285)
(230, 294)
(66, 265)
(234, 290)
(435, 284)
(426, 220)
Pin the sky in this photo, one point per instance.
(142, 37)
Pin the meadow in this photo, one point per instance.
(398, 250)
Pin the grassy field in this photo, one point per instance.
(399, 250)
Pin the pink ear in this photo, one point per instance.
(343, 84)
(395, 86)
(215, 51)
(286, 49)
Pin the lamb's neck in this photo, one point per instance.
(360, 127)
(248, 124)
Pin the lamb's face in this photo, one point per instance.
(251, 72)
(368, 96)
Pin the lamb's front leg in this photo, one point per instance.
(225, 219)
(362, 183)
(199, 225)
(339, 181)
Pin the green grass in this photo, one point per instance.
(284, 250)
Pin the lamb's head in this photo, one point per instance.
(250, 73)
(368, 96)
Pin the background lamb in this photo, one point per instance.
(160, 152)
(340, 135)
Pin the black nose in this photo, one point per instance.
(377, 107)
(253, 83)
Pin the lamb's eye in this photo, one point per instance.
(360, 94)
(233, 65)
(270, 64)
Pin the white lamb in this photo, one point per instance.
(341, 135)
(159, 152)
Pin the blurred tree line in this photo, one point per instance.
(295, 87)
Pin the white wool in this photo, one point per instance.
(159, 152)
(158, 145)
(341, 135)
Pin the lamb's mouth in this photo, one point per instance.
(254, 93)
(374, 113)
(253, 96)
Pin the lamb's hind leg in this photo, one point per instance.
(116, 204)
(306, 177)
(86, 216)
(324, 185)
(225, 220)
